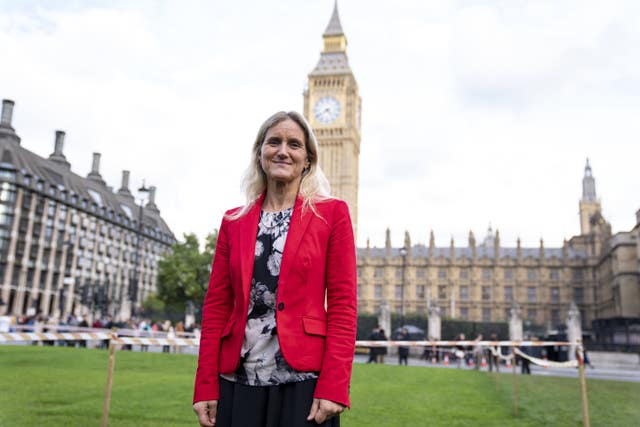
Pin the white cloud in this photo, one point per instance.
(473, 112)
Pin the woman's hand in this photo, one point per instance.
(206, 412)
(322, 410)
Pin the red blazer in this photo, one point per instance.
(319, 256)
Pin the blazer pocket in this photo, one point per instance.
(314, 326)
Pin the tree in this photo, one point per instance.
(183, 274)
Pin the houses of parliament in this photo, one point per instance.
(480, 279)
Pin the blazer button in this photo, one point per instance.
(281, 306)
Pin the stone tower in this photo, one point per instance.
(332, 106)
(589, 204)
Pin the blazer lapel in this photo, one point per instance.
(248, 230)
(297, 227)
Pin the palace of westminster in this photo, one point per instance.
(63, 236)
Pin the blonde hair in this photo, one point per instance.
(314, 185)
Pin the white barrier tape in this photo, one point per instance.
(178, 342)
(497, 353)
(547, 363)
(49, 336)
(364, 343)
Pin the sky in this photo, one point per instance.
(474, 113)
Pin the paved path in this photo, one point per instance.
(616, 374)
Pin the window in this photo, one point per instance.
(442, 292)
(578, 295)
(378, 272)
(555, 294)
(508, 273)
(486, 274)
(576, 274)
(531, 294)
(486, 293)
(464, 313)
(464, 293)
(508, 293)
(377, 292)
(420, 291)
(531, 274)
(399, 273)
(442, 273)
(398, 292)
(554, 274)
(421, 273)
(464, 273)
(486, 315)
(555, 316)
(532, 314)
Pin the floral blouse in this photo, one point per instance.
(261, 361)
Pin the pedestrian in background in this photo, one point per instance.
(403, 351)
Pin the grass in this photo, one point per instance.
(58, 386)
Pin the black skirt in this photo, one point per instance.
(284, 405)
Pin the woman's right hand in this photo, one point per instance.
(206, 412)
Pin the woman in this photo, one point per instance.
(279, 317)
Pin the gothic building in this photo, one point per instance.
(70, 244)
(480, 281)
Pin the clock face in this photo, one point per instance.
(326, 110)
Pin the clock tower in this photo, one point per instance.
(332, 106)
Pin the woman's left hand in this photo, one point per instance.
(322, 410)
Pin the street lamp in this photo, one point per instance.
(403, 252)
(137, 270)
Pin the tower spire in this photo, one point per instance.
(335, 27)
(333, 36)
(588, 184)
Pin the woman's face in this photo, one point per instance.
(283, 155)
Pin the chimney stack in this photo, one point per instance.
(58, 155)
(124, 187)
(151, 205)
(6, 131)
(7, 113)
(94, 175)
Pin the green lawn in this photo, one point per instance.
(57, 386)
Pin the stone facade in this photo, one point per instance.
(598, 271)
(70, 244)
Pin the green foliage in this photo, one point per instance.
(183, 274)
(61, 386)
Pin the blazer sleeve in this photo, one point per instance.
(335, 375)
(216, 311)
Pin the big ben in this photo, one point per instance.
(332, 106)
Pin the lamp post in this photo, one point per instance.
(403, 252)
(137, 270)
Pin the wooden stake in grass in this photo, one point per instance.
(497, 367)
(583, 385)
(515, 383)
(107, 393)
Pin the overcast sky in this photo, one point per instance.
(474, 112)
